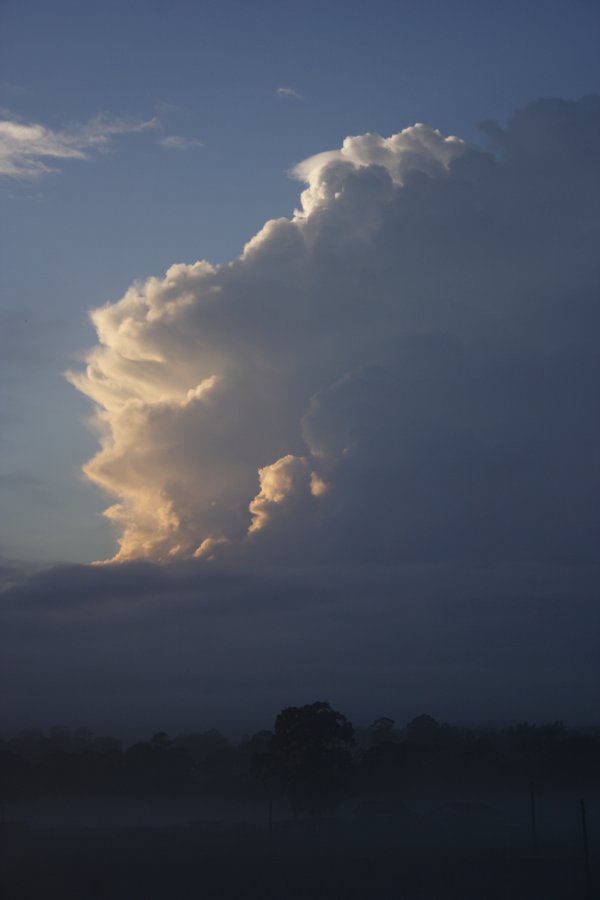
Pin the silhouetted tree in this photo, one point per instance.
(15, 773)
(382, 730)
(255, 756)
(311, 753)
(388, 766)
(201, 746)
(423, 730)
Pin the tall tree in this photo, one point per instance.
(312, 758)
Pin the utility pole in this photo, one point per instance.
(534, 836)
(586, 853)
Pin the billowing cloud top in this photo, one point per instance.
(406, 368)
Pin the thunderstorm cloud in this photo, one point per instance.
(405, 369)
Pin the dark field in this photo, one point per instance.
(472, 855)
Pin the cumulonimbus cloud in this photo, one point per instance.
(405, 368)
(29, 149)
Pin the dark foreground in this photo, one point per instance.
(306, 860)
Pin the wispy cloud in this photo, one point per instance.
(289, 93)
(166, 107)
(176, 142)
(29, 149)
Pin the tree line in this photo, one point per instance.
(313, 758)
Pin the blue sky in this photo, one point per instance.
(208, 73)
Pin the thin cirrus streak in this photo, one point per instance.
(404, 368)
(29, 150)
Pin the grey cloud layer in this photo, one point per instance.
(187, 646)
(405, 370)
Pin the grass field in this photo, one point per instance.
(328, 859)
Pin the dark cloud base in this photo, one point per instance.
(136, 647)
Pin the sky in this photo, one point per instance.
(299, 301)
